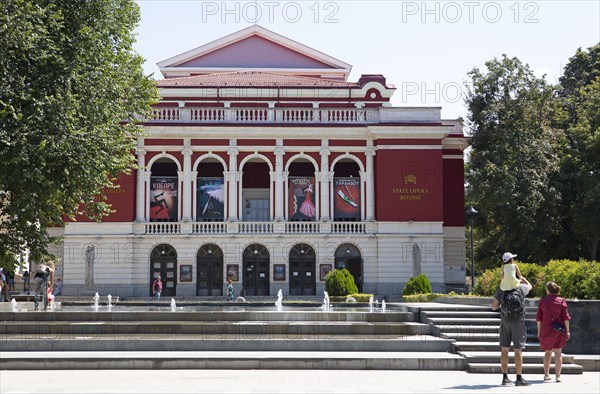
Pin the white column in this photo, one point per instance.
(370, 152)
(181, 183)
(325, 180)
(147, 177)
(187, 182)
(140, 190)
(279, 152)
(233, 184)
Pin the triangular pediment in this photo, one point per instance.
(255, 48)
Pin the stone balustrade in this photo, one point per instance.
(264, 115)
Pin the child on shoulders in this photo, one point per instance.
(511, 275)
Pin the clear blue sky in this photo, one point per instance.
(424, 48)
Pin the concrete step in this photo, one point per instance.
(206, 314)
(240, 328)
(441, 307)
(527, 368)
(231, 360)
(529, 357)
(473, 336)
(467, 346)
(447, 321)
(466, 328)
(460, 314)
(421, 343)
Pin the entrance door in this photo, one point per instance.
(256, 270)
(348, 256)
(209, 263)
(163, 262)
(302, 270)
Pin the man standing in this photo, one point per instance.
(512, 328)
(40, 285)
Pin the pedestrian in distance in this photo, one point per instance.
(26, 286)
(40, 285)
(157, 287)
(230, 290)
(512, 329)
(553, 328)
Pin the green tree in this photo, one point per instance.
(576, 115)
(512, 160)
(70, 88)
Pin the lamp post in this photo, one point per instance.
(471, 212)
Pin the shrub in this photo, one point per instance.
(428, 297)
(340, 283)
(359, 297)
(487, 282)
(577, 279)
(417, 285)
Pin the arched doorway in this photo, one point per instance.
(302, 270)
(256, 270)
(256, 191)
(209, 263)
(348, 256)
(163, 262)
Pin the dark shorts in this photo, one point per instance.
(513, 332)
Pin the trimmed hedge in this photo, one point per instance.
(359, 297)
(577, 279)
(428, 297)
(417, 285)
(340, 283)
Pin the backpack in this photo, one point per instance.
(513, 305)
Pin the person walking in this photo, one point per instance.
(229, 290)
(4, 287)
(512, 328)
(157, 287)
(26, 286)
(553, 328)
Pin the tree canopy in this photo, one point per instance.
(70, 88)
(534, 172)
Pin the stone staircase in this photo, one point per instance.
(475, 332)
(219, 336)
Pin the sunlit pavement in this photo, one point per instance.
(281, 381)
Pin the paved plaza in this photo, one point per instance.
(280, 381)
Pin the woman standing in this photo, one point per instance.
(552, 308)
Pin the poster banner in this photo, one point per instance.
(163, 198)
(302, 198)
(210, 199)
(346, 198)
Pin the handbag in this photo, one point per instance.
(556, 326)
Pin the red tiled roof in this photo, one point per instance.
(250, 78)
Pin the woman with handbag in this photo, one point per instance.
(553, 328)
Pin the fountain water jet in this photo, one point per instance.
(173, 305)
(109, 298)
(371, 304)
(383, 306)
(326, 306)
(14, 305)
(96, 299)
(279, 302)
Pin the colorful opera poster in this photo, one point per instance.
(163, 198)
(346, 198)
(302, 198)
(210, 197)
